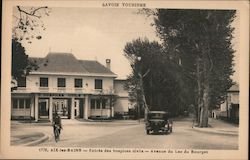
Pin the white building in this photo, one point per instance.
(73, 88)
(122, 104)
(230, 108)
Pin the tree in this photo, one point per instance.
(26, 26)
(153, 79)
(21, 66)
(27, 23)
(202, 40)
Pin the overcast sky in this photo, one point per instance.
(92, 34)
(95, 34)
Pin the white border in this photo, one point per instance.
(32, 152)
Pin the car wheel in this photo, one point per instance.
(147, 131)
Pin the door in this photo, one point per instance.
(43, 109)
(81, 108)
(60, 106)
(76, 107)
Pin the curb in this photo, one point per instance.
(36, 142)
(115, 122)
(109, 123)
(214, 132)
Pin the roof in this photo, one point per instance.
(234, 88)
(94, 67)
(163, 112)
(67, 63)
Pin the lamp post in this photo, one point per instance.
(140, 86)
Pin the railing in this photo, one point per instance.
(22, 90)
(64, 90)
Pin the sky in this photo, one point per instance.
(92, 34)
(98, 34)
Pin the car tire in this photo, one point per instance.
(147, 131)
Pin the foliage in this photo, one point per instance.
(160, 86)
(202, 40)
(27, 23)
(21, 66)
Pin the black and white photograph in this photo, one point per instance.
(125, 78)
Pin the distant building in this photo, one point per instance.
(230, 108)
(123, 103)
(71, 87)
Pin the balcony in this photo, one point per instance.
(72, 90)
(21, 90)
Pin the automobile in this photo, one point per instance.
(158, 121)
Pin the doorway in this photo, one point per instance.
(61, 107)
(43, 109)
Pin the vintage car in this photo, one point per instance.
(158, 121)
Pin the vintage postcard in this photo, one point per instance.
(124, 79)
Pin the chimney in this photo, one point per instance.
(108, 63)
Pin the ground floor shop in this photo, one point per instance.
(40, 106)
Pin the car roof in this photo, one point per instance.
(163, 112)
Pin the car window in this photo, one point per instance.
(156, 116)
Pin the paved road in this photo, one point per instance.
(122, 135)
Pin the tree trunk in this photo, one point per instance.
(144, 103)
(204, 110)
(199, 88)
(203, 122)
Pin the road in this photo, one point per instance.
(123, 135)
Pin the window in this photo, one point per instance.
(104, 102)
(21, 82)
(78, 83)
(92, 104)
(61, 82)
(15, 103)
(98, 83)
(98, 104)
(44, 82)
(27, 104)
(21, 103)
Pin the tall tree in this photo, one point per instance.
(202, 40)
(153, 81)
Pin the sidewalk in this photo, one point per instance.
(220, 127)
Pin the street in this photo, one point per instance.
(128, 134)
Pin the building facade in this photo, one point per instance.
(65, 85)
(122, 103)
(230, 108)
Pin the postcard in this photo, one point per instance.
(124, 79)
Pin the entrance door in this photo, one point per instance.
(81, 108)
(235, 112)
(43, 109)
(76, 107)
(60, 106)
